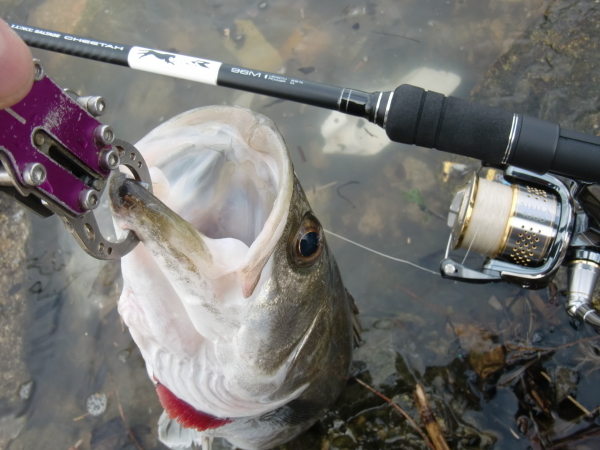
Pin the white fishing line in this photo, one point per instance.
(381, 254)
(491, 209)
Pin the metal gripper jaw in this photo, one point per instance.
(57, 159)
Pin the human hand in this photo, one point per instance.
(16, 67)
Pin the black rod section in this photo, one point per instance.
(410, 115)
(281, 86)
(348, 101)
(71, 44)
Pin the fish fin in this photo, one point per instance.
(356, 328)
(293, 413)
(175, 436)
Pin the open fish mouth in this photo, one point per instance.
(225, 173)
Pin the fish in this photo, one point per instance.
(233, 297)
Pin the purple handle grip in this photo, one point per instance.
(48, 108)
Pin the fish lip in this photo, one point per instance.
(119, 191)
(125, 193)
(130, 199)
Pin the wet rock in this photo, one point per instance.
(485, 355)
(552, 72)
(379, 355)
(10, 427)
(14, 315)
(109, 275)
(564, 383)
(251, 48)
(342, 443)
(384, 324)
(106, 288)
(488, 361)
(372, 221)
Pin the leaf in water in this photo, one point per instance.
(414, 196)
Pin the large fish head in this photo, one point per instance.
(233, 298)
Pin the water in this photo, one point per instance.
(418, 327)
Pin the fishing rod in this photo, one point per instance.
(409, 115)
(528, 224)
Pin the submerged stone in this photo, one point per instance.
(96, 404)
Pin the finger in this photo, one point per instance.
(16, 67)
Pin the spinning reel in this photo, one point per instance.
(528, 225)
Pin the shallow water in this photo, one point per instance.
(418, 327)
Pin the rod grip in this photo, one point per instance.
(450, 124)
(490, 134)
(577, 156)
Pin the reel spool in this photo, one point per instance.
(523, 223)
(512, 223)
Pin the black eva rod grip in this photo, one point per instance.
(431, 120)
(577, 156)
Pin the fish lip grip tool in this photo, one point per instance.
(57, 158)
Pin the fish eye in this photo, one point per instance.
(307, 243)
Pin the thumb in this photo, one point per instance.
(16, 67)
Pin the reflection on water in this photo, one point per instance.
(464, 343)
